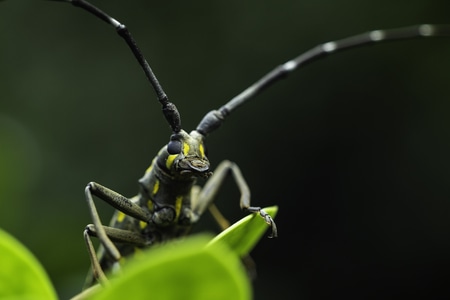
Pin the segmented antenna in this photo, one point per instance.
(169, 109)
(215, 118)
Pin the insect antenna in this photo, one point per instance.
(215, 118)
(169, 109)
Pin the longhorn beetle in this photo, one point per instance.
(169, 202)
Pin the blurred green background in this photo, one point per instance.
(354, 148)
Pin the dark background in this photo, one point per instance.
(354, 148)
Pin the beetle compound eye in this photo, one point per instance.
(174, 147)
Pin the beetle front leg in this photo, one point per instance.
(206, 195)
(106, 234)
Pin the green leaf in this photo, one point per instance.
(183, 269)
(21, 275)
(243, 235)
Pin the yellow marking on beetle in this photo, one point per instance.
(186, 148)
(150, 168)
(170, 160)
(120, 216)
(201, 149)
(142, 224)
(178, 202)
(155, 187)
(150, 205)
